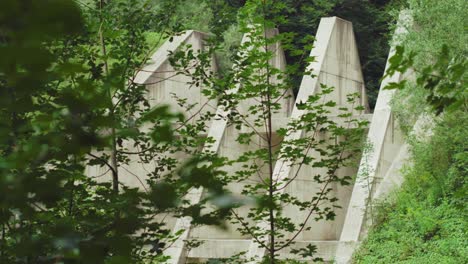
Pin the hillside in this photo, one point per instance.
(426, 221)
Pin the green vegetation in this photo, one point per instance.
(426, 221)
(68, 101)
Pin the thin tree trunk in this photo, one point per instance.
(271, 186)
(114, 162)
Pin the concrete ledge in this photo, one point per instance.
(214, 248)
(225, 248)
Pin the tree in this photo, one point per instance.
(69, 102)
(253, 95)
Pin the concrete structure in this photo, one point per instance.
(337, 65)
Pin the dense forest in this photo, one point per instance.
(69, 101)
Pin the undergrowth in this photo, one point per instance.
(426, 220)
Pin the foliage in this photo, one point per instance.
(437, 55)
(425, 221)
(69, 102)
(444, 80)
(434, 18)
